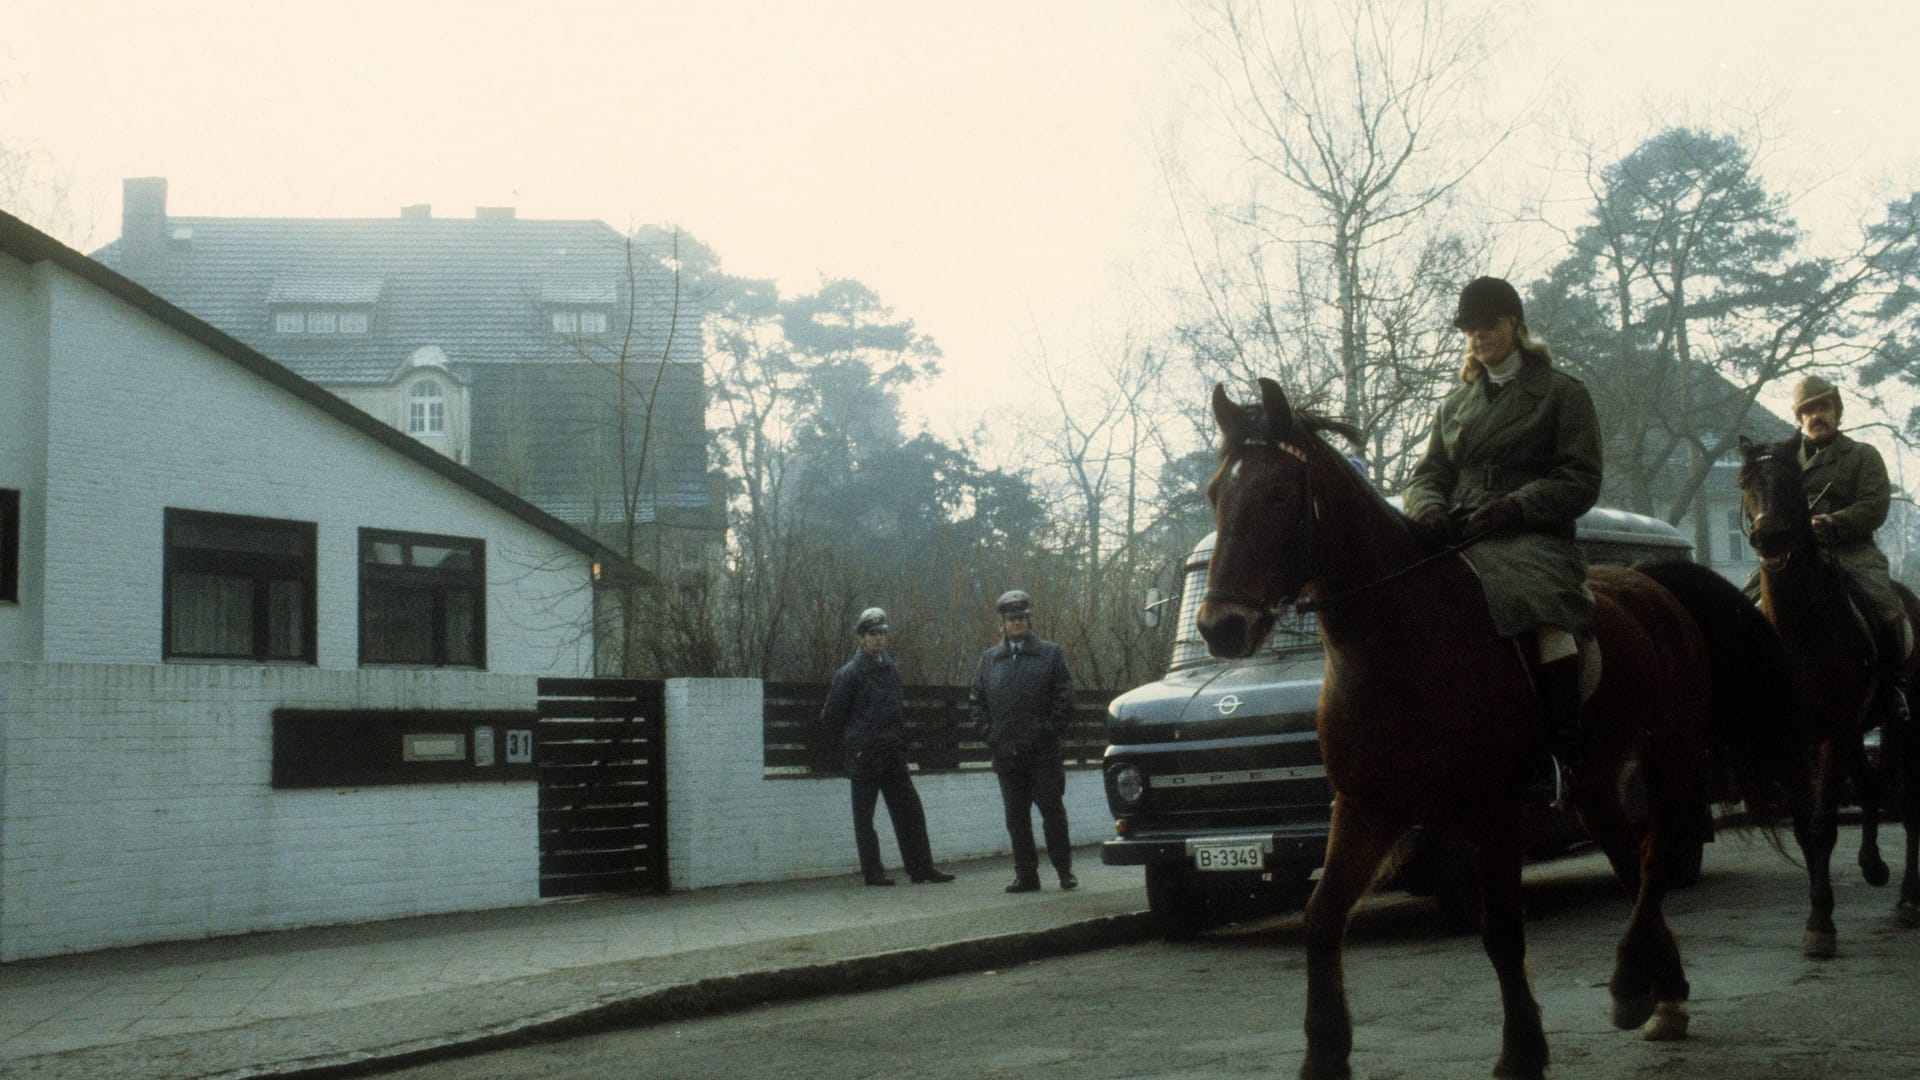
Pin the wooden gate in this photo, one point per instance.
(603, 786)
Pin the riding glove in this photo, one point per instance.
(1435, 527)
(1499, 516)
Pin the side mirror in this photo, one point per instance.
(1150, 614)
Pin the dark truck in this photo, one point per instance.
(1214, 776)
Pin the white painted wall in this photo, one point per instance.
(135, 794)
(727, 824)
(139, 808)
(23, 445)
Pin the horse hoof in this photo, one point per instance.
(1506, 1071)
(1669, 1023)
(1875, 872)
(1906, 915)
(1819, 945)
(1310, 1071)
(1631, 1012)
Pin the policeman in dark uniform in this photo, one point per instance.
(1022, 700)
(865, 703)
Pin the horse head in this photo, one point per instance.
(1774, 501)
(1263, 514)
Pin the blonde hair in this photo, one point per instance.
(1532, 351)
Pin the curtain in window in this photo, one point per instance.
(399, 625)
(212, 615)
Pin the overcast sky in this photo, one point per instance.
(985, 165)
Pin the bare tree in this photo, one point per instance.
(1351, 123)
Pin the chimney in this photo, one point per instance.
(143, 222)
(416, 212)
(493, 213)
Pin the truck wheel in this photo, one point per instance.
(1445, 869)
(1456, 889)
(1183, 906)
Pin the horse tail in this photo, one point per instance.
(1757, 728)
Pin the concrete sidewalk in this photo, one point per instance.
(339, 1000)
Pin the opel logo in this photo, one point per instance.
(1227, 704)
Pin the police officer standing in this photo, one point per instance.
(1022, 700)
(865, 702)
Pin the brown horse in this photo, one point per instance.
(1427, 717)
(1832, 657)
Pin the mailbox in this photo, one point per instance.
(320, 748)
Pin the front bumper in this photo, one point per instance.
(1303, 845)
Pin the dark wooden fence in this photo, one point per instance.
(940, 732)
(603, 786)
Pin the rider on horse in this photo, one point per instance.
(1513, 459)
(1849, 494)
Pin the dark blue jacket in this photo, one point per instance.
(1022, 701)
(864, 703)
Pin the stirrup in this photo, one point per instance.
(1548, 787)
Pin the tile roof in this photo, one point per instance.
(479, 288)
(30, 245)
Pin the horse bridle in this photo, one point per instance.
(1304, 552)
(1300, 557)
(1777, 562)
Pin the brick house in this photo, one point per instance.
(195, 540)
(501, 342)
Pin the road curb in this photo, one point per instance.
(725, 993)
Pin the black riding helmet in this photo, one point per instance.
(1485, 296)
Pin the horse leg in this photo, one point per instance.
(1649, 984)
(1817, 832)
(1618, 837)
(1523, 1044)
(1873, 795)
(1907, 912)
(1900, 751)
(1355, 849)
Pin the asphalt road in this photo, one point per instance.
(1424, 1003)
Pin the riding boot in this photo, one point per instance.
(1557, 742)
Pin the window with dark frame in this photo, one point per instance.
(238, 588)
(9, 545)
(422, 600)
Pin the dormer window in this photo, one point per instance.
(322, 321)
(426, 409)
(322, 304)
(579, 321)
(579, 303)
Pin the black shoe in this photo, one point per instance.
(932, 877)
(879, 879)
(1546, 786)
(1025, 883)
(1068, 881)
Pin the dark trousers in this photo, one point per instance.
(903, 809)
(1025, 784)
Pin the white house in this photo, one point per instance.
(192, 538)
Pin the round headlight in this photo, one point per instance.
(1129, 783)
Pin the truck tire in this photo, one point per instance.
(1182, 905)
(1445, 869)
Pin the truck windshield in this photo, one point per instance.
(1293, 632)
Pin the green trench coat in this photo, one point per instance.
(1539, 442)
(1848, 480)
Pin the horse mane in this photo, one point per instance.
(1312, 425)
